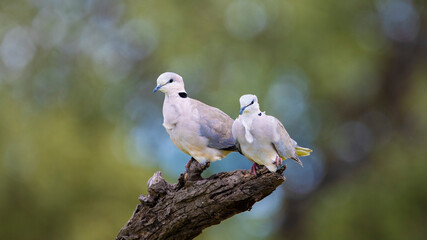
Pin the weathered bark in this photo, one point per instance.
(184, 209)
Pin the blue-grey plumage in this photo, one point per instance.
(262, 138)
(218, 136)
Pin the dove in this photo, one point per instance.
(262, 138)
(197, 129)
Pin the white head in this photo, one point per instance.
(169, 83)
(249, 104)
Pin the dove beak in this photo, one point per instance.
(242, 109)
(157, 88)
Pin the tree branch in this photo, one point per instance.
(184, 209)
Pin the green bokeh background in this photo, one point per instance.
(80, 130)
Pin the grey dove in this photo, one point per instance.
(262, 138)
(197, 129)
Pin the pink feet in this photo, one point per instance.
(254, 168)
(279, 161)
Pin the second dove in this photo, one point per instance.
(262, 138)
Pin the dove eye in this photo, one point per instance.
(170, 80)
(252, 102)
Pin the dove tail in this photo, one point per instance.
(303, 151)
(297, 160)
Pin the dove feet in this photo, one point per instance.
(254, 168)
(279, 161)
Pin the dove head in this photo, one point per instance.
(249, 104)
(169, 83)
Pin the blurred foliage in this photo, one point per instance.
(384, 201)
(80, 131)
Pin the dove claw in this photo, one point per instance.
(254, 168)
(279, 161)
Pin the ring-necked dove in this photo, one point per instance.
(262, 138)
(197, 129)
